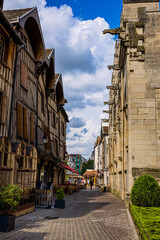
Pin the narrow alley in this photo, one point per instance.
(87, 215)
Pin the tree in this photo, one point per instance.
(87, 165)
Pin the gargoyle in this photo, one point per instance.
(114, 31)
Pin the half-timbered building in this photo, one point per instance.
(32, 115)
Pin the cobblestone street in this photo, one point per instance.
(88, 215)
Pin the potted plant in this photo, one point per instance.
(59, 202)
(10, 197)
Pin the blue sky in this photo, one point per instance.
(110, 10)
(74, 29)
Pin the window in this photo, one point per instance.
(25, 162)
(24, 75)
(22, 122)
(19, 120)
(32, 128)
(5, 159)
(20, 162)
(30, 162)
(25, 123)
(5, 156)
(62, 128)
(42, 102)
(53, 119)
(2, 47)
(3, 108)
(4, 40)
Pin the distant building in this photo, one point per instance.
(92, 155)
(90, 174)
(101, 157)
(75, 161)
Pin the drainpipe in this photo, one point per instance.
(59, 124)
(40, 67)
(105, 160)
(13, 90)
(123, 176)
(37, 110)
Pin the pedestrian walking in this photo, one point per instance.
(91, 184)
(88, 182)
(84, 182)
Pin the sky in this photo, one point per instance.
(74, 29)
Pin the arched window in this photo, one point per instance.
(5, 152)
(6, 162)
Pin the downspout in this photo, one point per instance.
(13, 90)
(105, 159)
(123, 177)
(37, 109)
(38, 72)
(59, 107)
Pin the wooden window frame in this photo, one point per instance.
(32, 128)
(25, 124)
(24, 75)
(22, 122)
(4, 49)
(19, 120)
(3, 108)
(53, 119)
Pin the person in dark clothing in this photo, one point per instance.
(91, 184)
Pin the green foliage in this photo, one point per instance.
(60, 194)
(149, 218)
(10, 197)
(146, 192)
(87, 165)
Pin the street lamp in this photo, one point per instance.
(45, 139)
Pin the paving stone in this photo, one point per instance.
(88, 215)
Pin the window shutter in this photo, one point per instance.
(24, 75)
(19, 120)
(32, 128)
(4, 109)
(25, 115)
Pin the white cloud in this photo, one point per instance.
(17, 4)
(82, 56)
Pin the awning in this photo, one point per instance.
(68, 168)
(71, 174)
(90, 173)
